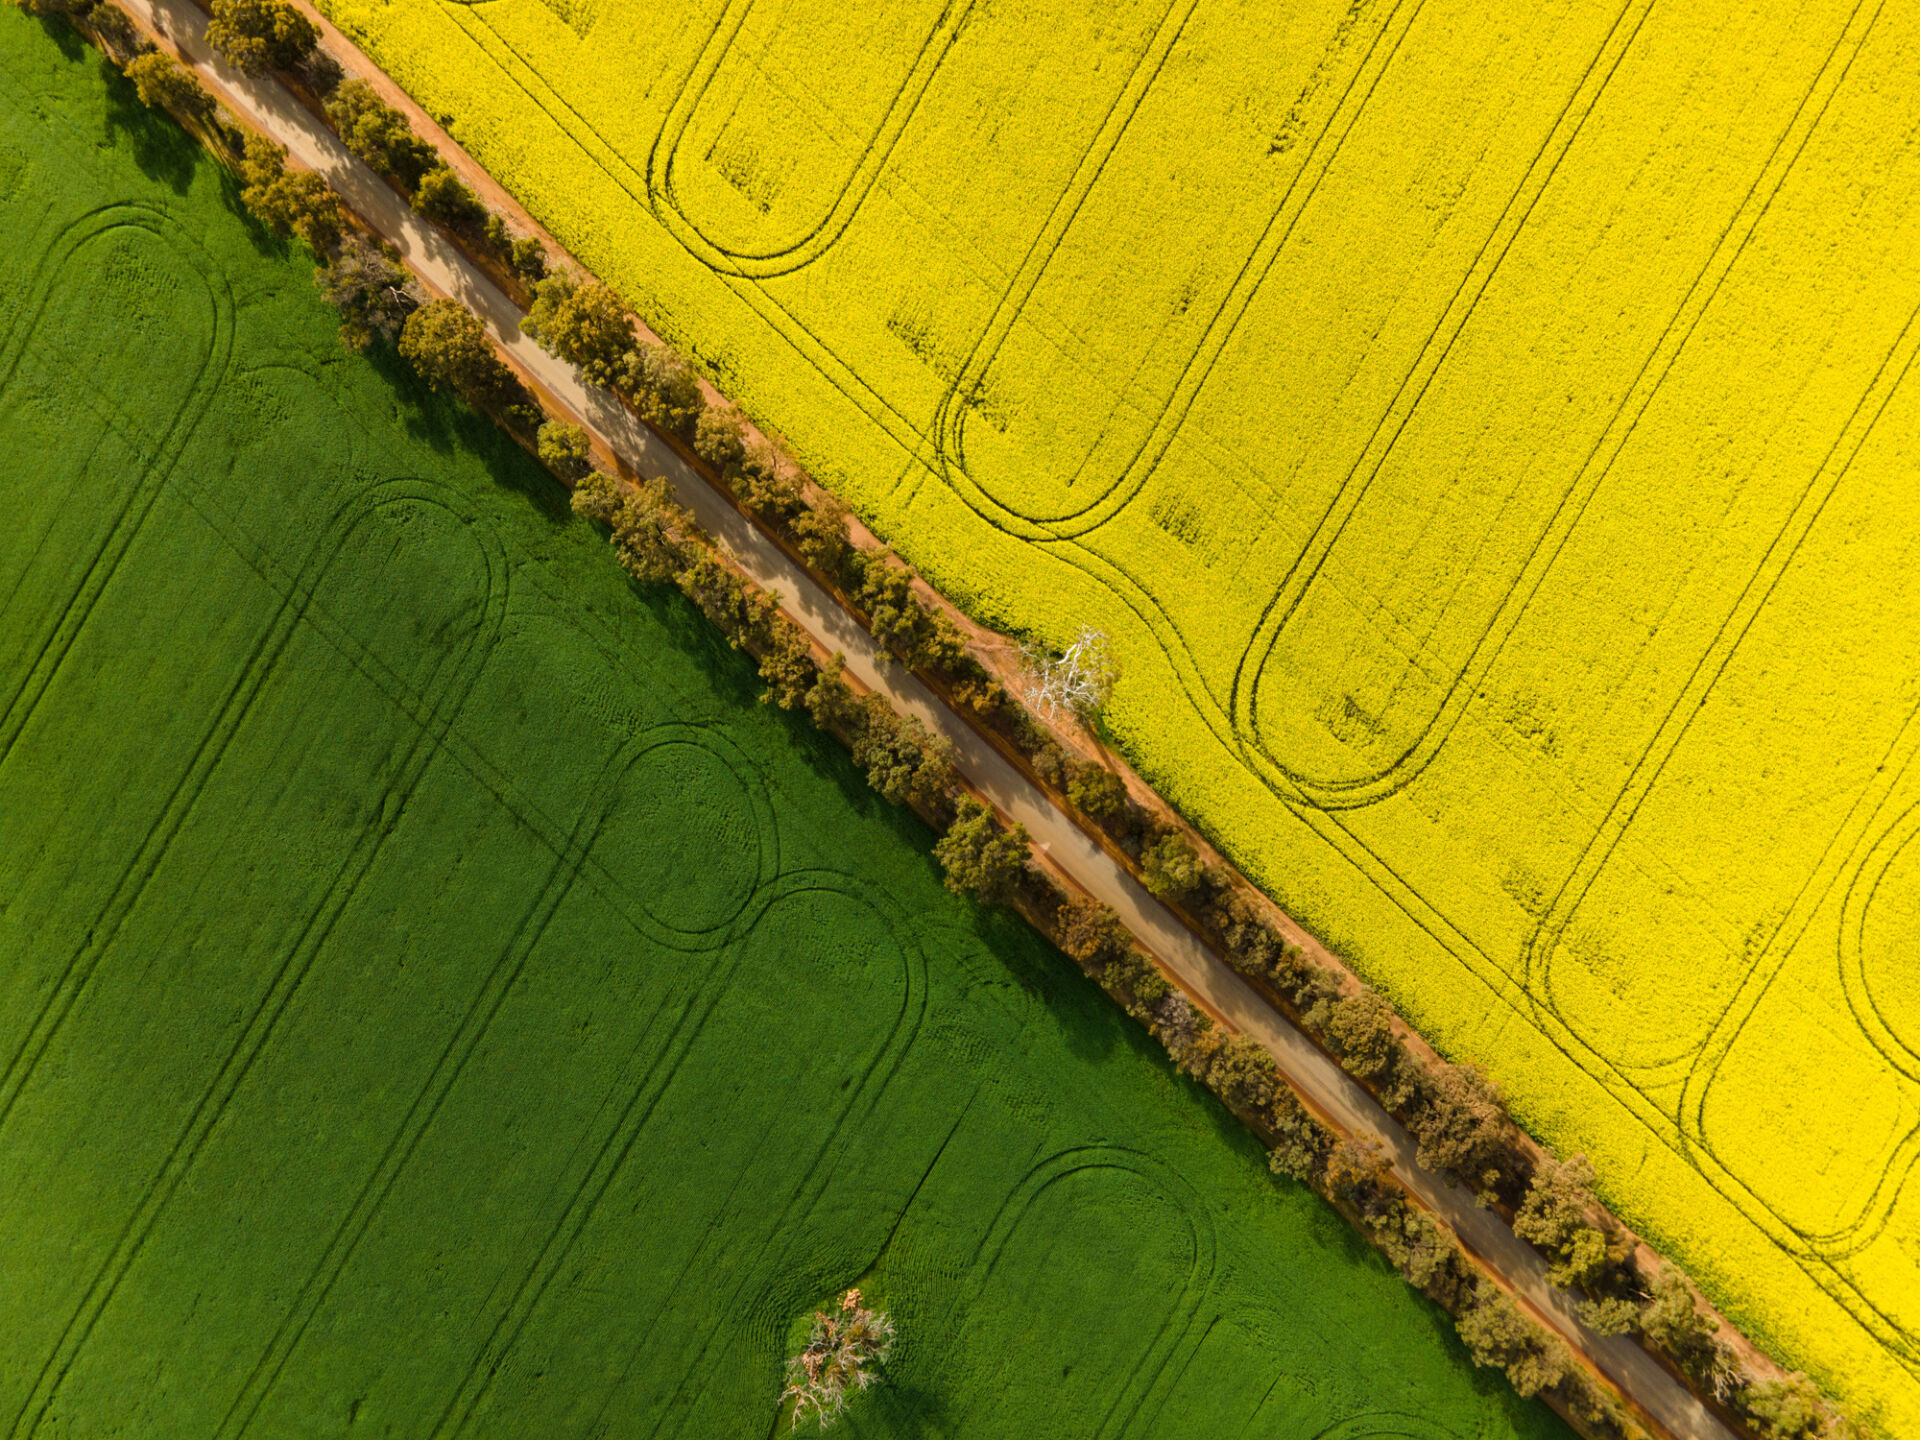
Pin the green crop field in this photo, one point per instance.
(435, 1000)
(1486, 432)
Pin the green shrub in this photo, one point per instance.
(445, 342)
(903, 760)
(979, 858)
(373, 294)
(1553, 1217)
(1096, 792)
(1091, 934)
(787, 665)
(1359, 1027)
(380, 135)
(255, 36)
(664, 389)
(288, 201)
(651, 533)
(920, 637)
(444, 198)
(565, 449)
(1463, 1125)
(581, 324)
(597, 497)
(716, 440)
(1497, 1334)
(724, 597)
(765, 490)
(1170, 866)
(831, 702)
(1417, 1245)
(1610, 1315)
(1243, 1074)
(1253, 946)
(1137, 981)
(1301, 1143)
(162, 83)
(1786, 1409)
(1355, 1165)
(820, 535)
(528, 258)
(981, 693)
(1673, 1320)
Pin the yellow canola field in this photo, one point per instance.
(1487, 431)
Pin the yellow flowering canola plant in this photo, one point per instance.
(1486, 432)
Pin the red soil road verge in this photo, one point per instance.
(1281, 1037)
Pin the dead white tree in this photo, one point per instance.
(842, 1357)
(1075, 683)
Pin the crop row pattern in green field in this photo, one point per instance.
(1485, 431)
(436, 1000)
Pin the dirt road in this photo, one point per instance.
(272, 108)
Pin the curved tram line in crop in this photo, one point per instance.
(1236, 716)
(1248, 712)
(374, 1054)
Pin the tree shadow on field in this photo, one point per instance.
(729, 675)
(1329, 1231)
(430, 419)
(903, 1412)
(163, 151)
(62, 33)
(732, 681)
(1000, 950)
(1094, 1027)
(513, 470)
(446, 425)
(265, 242)
(1042, 973)
(828, 759)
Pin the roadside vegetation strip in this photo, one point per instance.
(1345, 440)
(419, 1081)
(450, 345)
(975, 855)
(1621, 1280)
(1730, 1373)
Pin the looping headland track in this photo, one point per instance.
(1062, 843)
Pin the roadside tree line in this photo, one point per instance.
(1455, 1112)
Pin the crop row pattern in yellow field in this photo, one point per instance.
(1487, 432)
